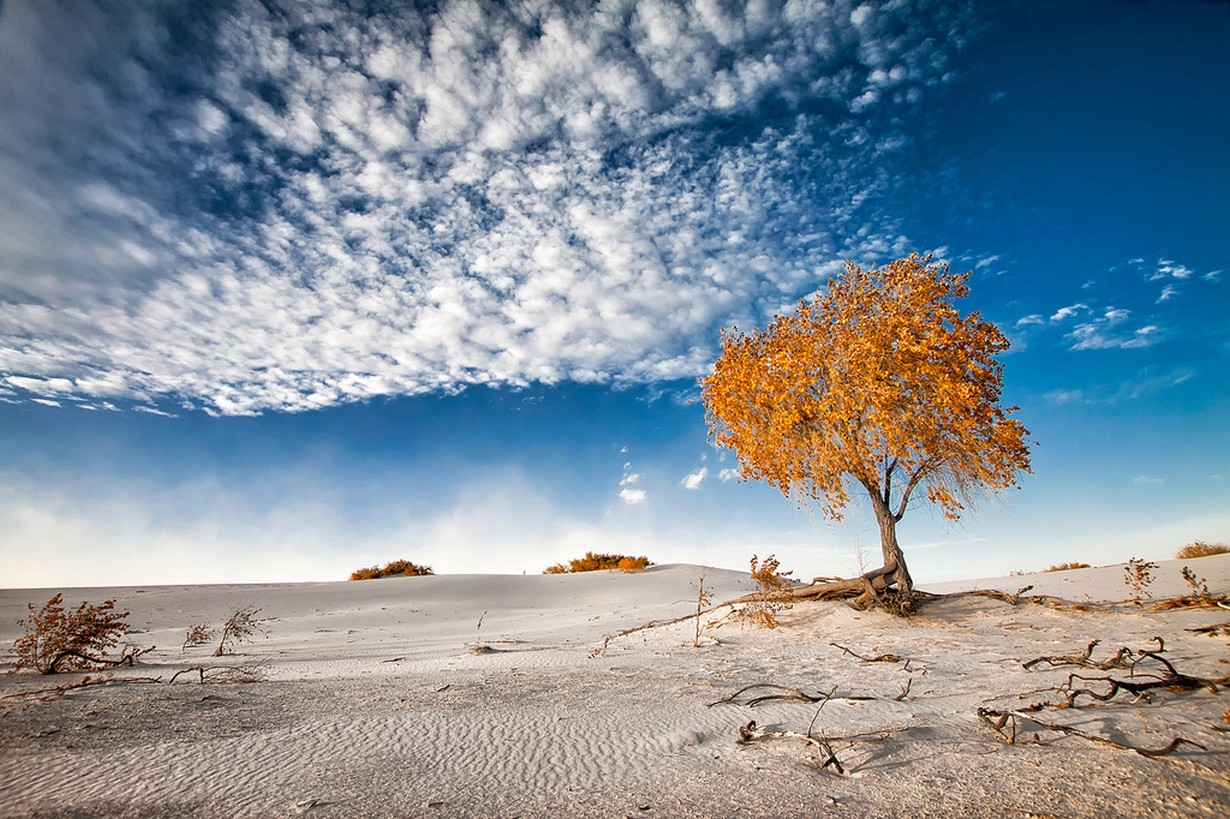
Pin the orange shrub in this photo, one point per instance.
(593, 562)
(392, 569)
(57, 639)
(1199, 548)
(1063, 567)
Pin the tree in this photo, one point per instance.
(880, 384)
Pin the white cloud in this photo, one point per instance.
(633, 496)
(336, 205)
(693, 480)
(1030, 320)
(1068, 312)
(728, 474)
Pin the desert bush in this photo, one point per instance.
(1063, 567)
(238, 628)
(1198, 548)
(1200, 589)
(771, 595)
(396, 568)
(61, 640)
(593, 562)
(198, 634)
(1137, 575)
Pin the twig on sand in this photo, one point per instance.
(998, 720)
(1116, 661)
(787, 695)
(883, 658)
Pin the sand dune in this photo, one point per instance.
(502, 696)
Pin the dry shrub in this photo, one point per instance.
(1137, 575)
(60, 640)
(771, 595)
(593, 562)
(238, 628)
(198, 634)
(396, 568)
(1198, 548)
(1063, 567)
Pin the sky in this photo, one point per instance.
(292, 288)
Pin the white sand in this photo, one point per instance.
(374, 703)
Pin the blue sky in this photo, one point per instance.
(288, 289)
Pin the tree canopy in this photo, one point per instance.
(880, 383)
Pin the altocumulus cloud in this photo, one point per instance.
(246, 206)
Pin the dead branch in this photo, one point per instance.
(883, 658)
(225, 674)
(1217, 628)
(128, 658)
(787, 695)
(1084, 659)
(749, 733)
(999, 719)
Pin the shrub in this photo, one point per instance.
(1138, 574)
(771, 595)
(59, 640)
(1063, 567)
(396, 568)
(594, 561)
(238, 628)
(1198, 548)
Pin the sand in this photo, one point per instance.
(502, 696)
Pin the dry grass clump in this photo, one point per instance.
(593, 562)
(60, 640)
(1063, 567)
(771, 595)
(397, 568)
(1198, 548)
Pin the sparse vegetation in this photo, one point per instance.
(198, 635)
(772, 593)
(1063, 567)
(703, 598)
(1200, 589)
(593, 562)
(1199, 548)
(61, 640)
(1137, 575)
(397, 568)
(239, 628)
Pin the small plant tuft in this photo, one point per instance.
(898, 602)
(703, 598)
(396, 568)
(1199, 548)
(239, 628)
(771, 595)
(198, 635)
(1137, 575)
(61, 640)
(1200, 589)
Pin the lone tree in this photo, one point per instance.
(879, 383)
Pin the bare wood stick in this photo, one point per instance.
(883, 658)
(998, 719)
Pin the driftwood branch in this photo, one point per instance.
(1117, 661)
(999, 720)
(883, 658)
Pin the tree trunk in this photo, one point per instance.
(891, 551)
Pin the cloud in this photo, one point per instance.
(248, 208)
(1146, 480)
(728, 474)
(693, 480)
(632, 497)
(1030, 320)
(1064, 313)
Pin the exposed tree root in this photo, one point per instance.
(128, 658)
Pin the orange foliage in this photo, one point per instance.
(57, 639)
(593, 562)
(1063, 567)
(393, 569)
(879, 383)
(1199, 548)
